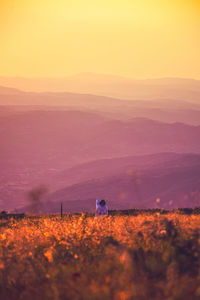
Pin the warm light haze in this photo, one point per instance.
(137, 39)
(99, 149)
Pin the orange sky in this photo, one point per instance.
(133, 38)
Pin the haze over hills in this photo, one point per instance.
(128, 165)
(37, 144)
(162, 180)
(9, 91)
(112, 86)
(85, 136)
(160, 110)
(84, 146)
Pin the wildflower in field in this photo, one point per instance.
(49, 255)
(117, 257)
(3, 236)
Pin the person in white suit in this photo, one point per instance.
(101, 208)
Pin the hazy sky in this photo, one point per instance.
(133, 38)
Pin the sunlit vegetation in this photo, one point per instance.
(144, 256)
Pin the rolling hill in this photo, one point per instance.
(43, 135)
(164, 110)
(112, 86)
(162, 180)
(35, 145)
(60, 139)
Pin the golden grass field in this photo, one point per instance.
(148, 256)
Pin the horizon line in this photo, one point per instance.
(98, 74)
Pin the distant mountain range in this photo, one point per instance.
(38, 144)
(58, 139)
(83, 146)
(112, 86)
(164, 110)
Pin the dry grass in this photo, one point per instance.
(116, 257)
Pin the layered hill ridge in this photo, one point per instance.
(113, 86)
(53, 136)
(166, 110)
(165, 180)
(97, 138)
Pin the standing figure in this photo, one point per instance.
(101, 208)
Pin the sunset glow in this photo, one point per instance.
(138, 39)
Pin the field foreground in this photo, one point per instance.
(148, 256)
